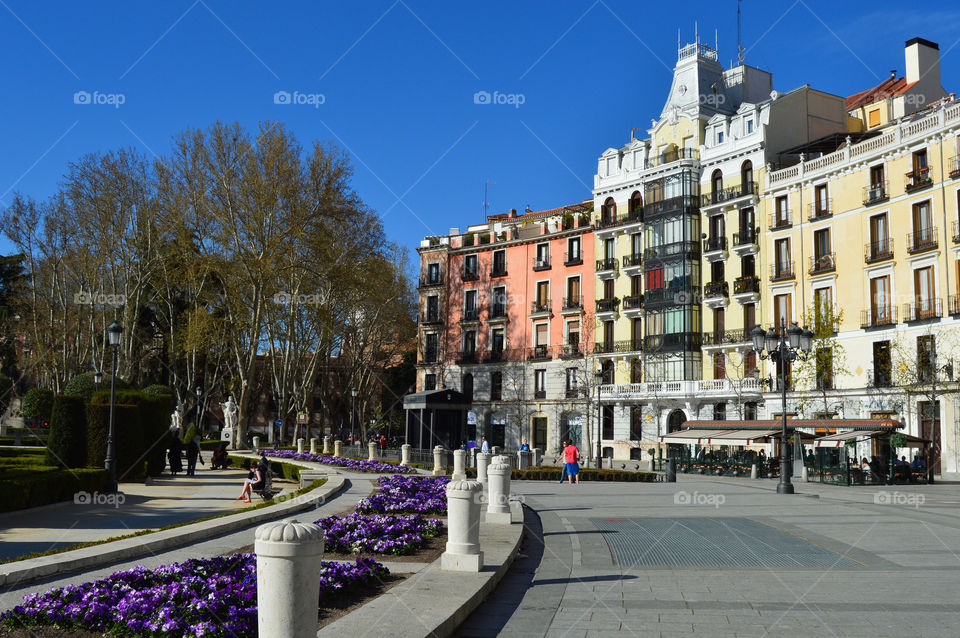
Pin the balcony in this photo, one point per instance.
(573, 351)
(673, 205)
(956, 232)
(633, 261)
(922, 310)
(606, 266)
(781, 219)
(498, 270)
(539, 353)
(749, 285)
(725, 337)
(541, 264)
(539, 394)
(672, 341)
(615, 347)
(878, 317)
(430, 318)
(923, 239)
(876, 193)
(918, 180)
(781, 272)
(675, 155)
(824, 263)
(714, 248)
(572, 304)
(611, 221)
(716, 289)
(608, 305)
(674, 250)
(469, 275)
(822, 209)
(470, 314)
(633, 302)
(573, 393)
(496, 355)
(746, 242)
(428, 282)
(540, 306)
(467, 357)
(954, 163)
(878, 250)
(497, 312)
(574, 259)
(954, 305)
(728, 194)
(709, 387)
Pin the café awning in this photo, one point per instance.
(701, 436)
(840, 438)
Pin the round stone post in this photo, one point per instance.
(256, 443)
(495, 450)
(336, 447)
(405, 454)
(300, 446)
(498, 492)
(753, 471)
(463, 527)
(459, 463)
(473, 457)
(438, 468)
(371, 451)
(483, 460)
(326, 444)
(313, 445)
(288, 578)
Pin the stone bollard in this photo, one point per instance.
(336, 447)
(313, 445)
(495, 450)
(371, 451)
(459, 462)
(288, 578)
(804, 475)
(523, 460)
(256, 443)
(463, 527)
(753, 471)
(438, 468)
(326, 444)
(405, 454)
(483, 460)
(473, 457)
(498, 492)
(299, 446)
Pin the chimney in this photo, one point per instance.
(923, 61)
(513, 212)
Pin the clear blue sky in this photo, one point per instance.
(398, 81)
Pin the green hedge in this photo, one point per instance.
(128, 437)
(37, 404)
(279, 468)
(34, 488)
(65, 447)
(155, 423)
(158, 390)
(84, 386)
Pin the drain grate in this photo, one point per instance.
(711, 542)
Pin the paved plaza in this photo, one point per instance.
(730, 557)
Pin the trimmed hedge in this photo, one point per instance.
(279, 468)
(37, 404)
(84, 386)
(155, 412)
(34, 489)
(128, 437)
(68, 430)
(157, 390)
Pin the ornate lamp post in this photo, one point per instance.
(789, 345)
(199, 392)
(110, 463)
(97, 379)
(599, 419)
(353, 412)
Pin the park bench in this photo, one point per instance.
(267, 490)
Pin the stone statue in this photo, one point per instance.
(230, 413)
(176, 419)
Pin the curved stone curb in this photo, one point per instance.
(26, 571)
(433, 602)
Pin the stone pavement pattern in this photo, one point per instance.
(828, 561)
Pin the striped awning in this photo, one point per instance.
(700, 436)
(840, 438)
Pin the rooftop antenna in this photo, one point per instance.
(716, 40)
(740, 49)
(486, 206)
(696, 32)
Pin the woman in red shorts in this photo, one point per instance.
(572, 457)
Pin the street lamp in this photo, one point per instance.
(789, 345)
(599, 418)
(353, 412)
(110, 463)
(97, 378)
(199, 392)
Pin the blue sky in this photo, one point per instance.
(397, 80)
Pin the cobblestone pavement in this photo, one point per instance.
(730, 557)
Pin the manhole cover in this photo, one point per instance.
(711, 542)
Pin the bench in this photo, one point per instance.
(267, 490)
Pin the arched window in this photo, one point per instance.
(608, 213)
(636, 204)
(716, 184)
(746, 177)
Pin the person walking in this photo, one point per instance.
(484, 446)
(563, 466)
(193, 454)
(572, 457)
(175, 455)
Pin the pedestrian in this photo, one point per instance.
(175, 455)
(524, 447)
(383, 443)
(572, 457)
(563, 466)
(484, 446)
(463, 445)
(193, 454)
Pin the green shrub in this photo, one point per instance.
(157, 389)
(32, 489)
(191, 432)
(37, 404)
(128, 437)
(83, 386)
(155, 424)
(65, 447)
(6, 392)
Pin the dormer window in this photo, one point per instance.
(719, 137)
(749, 127)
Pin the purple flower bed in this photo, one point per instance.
(410, 494)
(208, 597)
(353, 465)
(377, 533)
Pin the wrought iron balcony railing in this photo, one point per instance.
(781, 271)
(876, 193)
(918, 179)
(922, 309)
(923, 239)
(878, 317)
(878, 250)
(746, 285)
(821, 209)
(826, 262)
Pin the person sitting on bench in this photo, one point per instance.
(219, 459)
(253, 482)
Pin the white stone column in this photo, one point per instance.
(438, 468)
(256, 443)
(405, 454)
(371, 451)
(459, 465)
(498, 492)
(313, 445)
(300, 446)
(463, 527)
(326, 444)
(288, 578)
(473, 457)
(483, 460)
(336, 447)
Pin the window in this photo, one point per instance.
(636, 424)
(469, 341)
(720, 412)
(573, 292)
(571, 382)
(747, 224)
(719, 366)
(496, 386)
(926, 358)
(608, 333)
(821, 203)
(470, 266)
(873, 118)
(433, 308)
(876, 175)
(716, 272)
(821, 245)
(573, 333)
(540, 383)
(636, 204)
(919, 163)
(717, 230)
(716, 183)
(749, 127)
(749, 318)
(783, 212)
(433, 273)
(573, 250)
(608, 289)
(923, 293)
(636, 334)
(882, 365)
(541, 335)
(636, 371)
(782, 254)
(824, 360)
(496, 340)
(430, 351)
(608, 212)
(748, 266)
(467, 385)
(499, 262)
(636, 285)
(750, 411)
(609, 250)
(607, 422)
(429, 382)
(636, 245)
(781, 311)
(879, 236)
(470, 304)
(543, 254)
(499, 302)
(823, 310)
(719, 137)
(923, 231)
